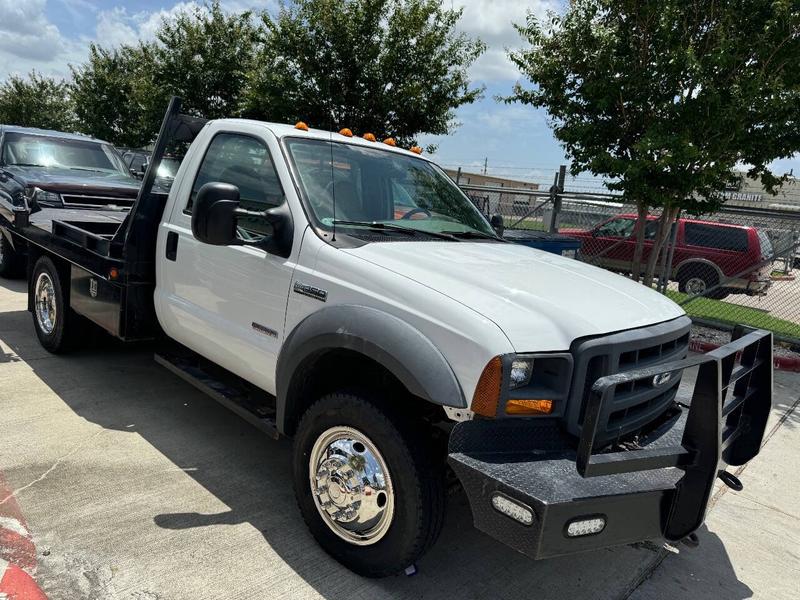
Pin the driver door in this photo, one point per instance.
(228, 303)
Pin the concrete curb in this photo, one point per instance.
(782, 363)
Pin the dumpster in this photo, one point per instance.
(556, 243)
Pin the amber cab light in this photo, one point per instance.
(416, 149)
(370, 137)
(346, 132)
(487, 392)
(529, 407)
(301, 126)
(390, 142)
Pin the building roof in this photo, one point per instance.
(481, 179)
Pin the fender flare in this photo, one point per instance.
(698, 261)
(398, 346)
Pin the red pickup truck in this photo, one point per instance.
(733, 259)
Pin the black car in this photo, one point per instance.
(53, 170)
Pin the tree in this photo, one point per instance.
(108, 90)
(666, 98)
(392, 67)
(204, 55)
(37, 101)
(201, 54)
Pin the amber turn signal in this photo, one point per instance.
(529, 407)
(487, 392)
(301, 126)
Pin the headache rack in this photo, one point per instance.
(111, 254)
(726, 420)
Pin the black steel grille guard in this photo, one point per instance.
(716, 429)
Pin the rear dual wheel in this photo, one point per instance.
(57, 327)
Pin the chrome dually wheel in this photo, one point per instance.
(45, 303)
(351, 485)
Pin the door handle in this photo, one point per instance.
(172, 245)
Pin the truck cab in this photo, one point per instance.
(345, 293)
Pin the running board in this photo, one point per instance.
(227, 393)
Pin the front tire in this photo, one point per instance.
(55, 325)
(368, 484)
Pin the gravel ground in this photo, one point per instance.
(717, 336)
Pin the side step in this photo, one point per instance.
(224, 387)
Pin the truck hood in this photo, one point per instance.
(541, 301)
(56, 179)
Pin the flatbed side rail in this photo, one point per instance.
(726, 421)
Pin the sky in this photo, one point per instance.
(515, 140)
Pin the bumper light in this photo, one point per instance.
(581, 527)
(529, 407)
(510, 508)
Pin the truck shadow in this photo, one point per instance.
(121, 388)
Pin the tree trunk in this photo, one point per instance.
(664, 225)
(641, 222)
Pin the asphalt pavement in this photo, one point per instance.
(134, 485)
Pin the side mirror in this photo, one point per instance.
(497, 224)
(214, 214)
(216, 211)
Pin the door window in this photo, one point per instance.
(245, 162)
(618, 228)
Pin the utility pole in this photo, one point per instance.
(485, 165)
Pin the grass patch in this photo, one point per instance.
(733, 314)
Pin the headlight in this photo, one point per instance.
(45, 198)
(521, 371)
(524, 385)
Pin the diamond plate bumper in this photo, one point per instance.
(658, 491)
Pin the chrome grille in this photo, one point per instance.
(634, 404)
(88, 200)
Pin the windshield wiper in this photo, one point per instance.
(85, 169)
(24, 165)
(379, 225)
(474, 234)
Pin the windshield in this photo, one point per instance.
(42, 151)
(378, 186)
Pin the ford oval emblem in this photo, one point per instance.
(661, 379)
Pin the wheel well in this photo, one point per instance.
(337, 369)
(696, 268)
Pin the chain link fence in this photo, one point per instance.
(739, 265)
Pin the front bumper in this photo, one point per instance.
(660, 490)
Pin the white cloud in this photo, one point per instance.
(117, 26)
(28, 40)
(493, 21)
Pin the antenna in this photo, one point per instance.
(333, 182)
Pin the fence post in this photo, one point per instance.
(458, 176)
(555, 196)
